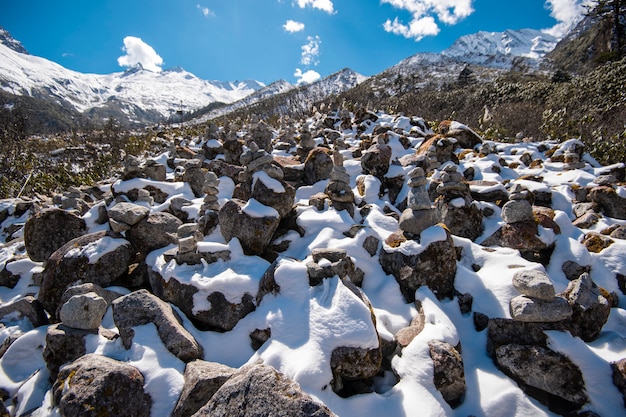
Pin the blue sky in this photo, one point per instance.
(266, 40)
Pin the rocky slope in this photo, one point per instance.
(346, 264)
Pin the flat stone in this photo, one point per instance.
(523, 308)
(517, 211)
(416, 221)
(534, 284)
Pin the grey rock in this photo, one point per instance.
(587, 220)
(524, 308)
(449, 375)
(611, 204)
(416, 221)
(573, 270)
(619, 377)
(370, 244)
(28, 307)
(619, 233)
(141, 307)
(591, 309)
(259, 390)
(62, 270)
(578, 209)
(465, 221)
(376, 159)
(515, 211)
(534, 284)
(84, 311)
(153, 232)
(317, 166)
(128, 213)
(63, 345)
(254, 233)
(48, 230)
(202, 380)
(527, 364)
(95, 385)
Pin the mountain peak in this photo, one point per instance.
(7, 40)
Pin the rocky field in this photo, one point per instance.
(346, 264)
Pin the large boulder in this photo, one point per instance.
(48, 230)
(84, 311)
(141, 307)
(611, 204)
(63, 345)
(95, 385)
(590, 308)
(259, 390)
(202, 380)
(98, 258)
(318, 165)
(435, 267)
(253, 226)
(153, 232)
(222, 314)
(376, 159)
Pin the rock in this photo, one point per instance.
(524, 308)
(515, 211)
(141, 307)
(128, 213)
(83, 311)
(506, 331)
(406, 335)
(202, 380)
(280, 201)
(194, 176)
(95, 385)
(72, 264)
(222, 314)
(528, 364)
(259, 390)
(465, 220)
(534, 284)
(318, 165)
(415, 222)
(619, 233)
(611, 204)
(254, 233)
(48, 230)
(591, 309)
(587, 220)
(596, 242)
(619, 377)
(449, 375)
(375, 161)
(370, 244)
(465, 136)
(157, 230)
(572, 270)
(435, 267)
(63, 345)
(28, 307)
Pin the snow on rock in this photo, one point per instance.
(278, 317)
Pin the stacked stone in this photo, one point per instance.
(188, 237)
(210, 206)
(518, 208)
(571, 160)
(432, 162)
(306, 143)
(538, 302)
(132, 167)
(420, 214)
(255, 160)
(233, 147)
(143, 196)
(455, 206)
(452, 185)
(338, 188)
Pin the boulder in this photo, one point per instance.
(611, 204)
(465, 136)
(449, 375)
(434, 267)
(619, 377)
(222, 314)
(351, 364)
(95, 385)
(528, 364)
(141, 307)
(318, 165)
(254, 230)
(48, 230)
(63, 345)
(202, 380)
(157, 230)
(84, 311)
(590, 308)
(75, 263)
(465, 220)
(375, 161)
(128, 213)
(28, 307)
(260, 390)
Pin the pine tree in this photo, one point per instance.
(615, 10)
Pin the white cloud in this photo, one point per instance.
(567, 13)
(308, 77)
(292, 26)
(205, 10)
(423, 13)
(311, 50)
(325, 5)
(139, 52)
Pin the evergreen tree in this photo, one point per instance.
(615, 10)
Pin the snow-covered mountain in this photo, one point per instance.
(135, 95)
